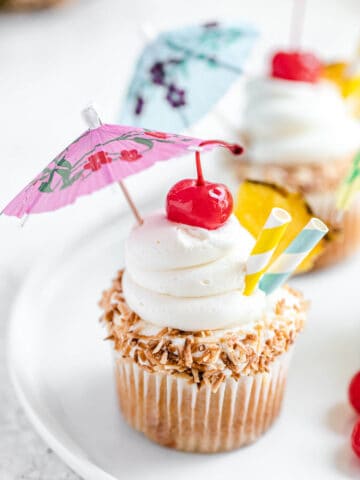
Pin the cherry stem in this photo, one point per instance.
(200, 176)
(233, 147)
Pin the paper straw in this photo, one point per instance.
(294, 254)
(265, 245)
(350, 185)
(346, 194)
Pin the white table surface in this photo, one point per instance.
(52, 64)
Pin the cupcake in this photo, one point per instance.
(199, 365)
(299, 133)
(28, 4)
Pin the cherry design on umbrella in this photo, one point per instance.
(102, 155)
(96, 160)
(130, 155)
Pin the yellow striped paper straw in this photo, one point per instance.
(265, 245)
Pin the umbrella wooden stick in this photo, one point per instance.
(93, 120)
(131, 203)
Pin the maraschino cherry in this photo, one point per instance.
(354, 392)
(298, 66)
(199, 203)
(355, 439)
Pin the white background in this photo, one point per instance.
(54, 62)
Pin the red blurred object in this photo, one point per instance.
(297, 66)
(354, 392)
(355, 439)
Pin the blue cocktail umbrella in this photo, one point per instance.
(182, 73)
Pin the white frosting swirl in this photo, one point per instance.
(297, 122)
(190, 278)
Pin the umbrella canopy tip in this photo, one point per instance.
(91, 116)
(148, 31)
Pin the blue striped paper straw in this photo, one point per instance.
(293, 255)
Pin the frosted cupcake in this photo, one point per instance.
(300, 134)
(199, 365)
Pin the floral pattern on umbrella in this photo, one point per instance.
(99, 157)
(182, 73)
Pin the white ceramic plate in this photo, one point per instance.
(62, 373)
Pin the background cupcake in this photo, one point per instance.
(299, 133)
(28, 4)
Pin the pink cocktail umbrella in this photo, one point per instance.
(102, 155)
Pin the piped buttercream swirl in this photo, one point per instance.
(190, 278)
(290, 122)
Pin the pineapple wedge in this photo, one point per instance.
(348, 84)
(253, 204)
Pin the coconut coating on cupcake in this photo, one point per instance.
(204, 357)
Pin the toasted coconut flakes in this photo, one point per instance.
(231, 356)
(307, 178)
(188, 360)
(109, 337)
(217, 381)
(164, 357)
(202, 357)
(162, 332)
(280, 307)
(195, 374)
(158, 346)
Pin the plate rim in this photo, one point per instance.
(80, 465)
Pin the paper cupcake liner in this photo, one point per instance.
(347, 240)
(322, 203)
(176, 414)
